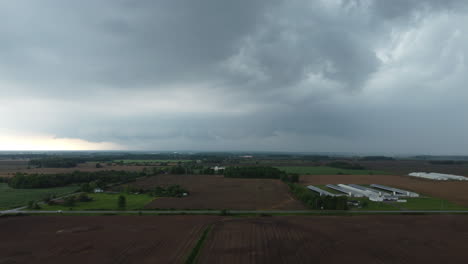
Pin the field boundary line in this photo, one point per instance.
(192, 257)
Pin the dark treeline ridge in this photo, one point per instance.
(376, 158)
(315, 201)
(448, 162)
(260, 172)
(29, 181)
(253, 172)
(345, 165)
(56, 162)
(174, 190)
(430, 157)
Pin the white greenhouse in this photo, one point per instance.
(437, 176)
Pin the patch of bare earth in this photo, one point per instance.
(100, 239)
(327, 239)
(217, 192)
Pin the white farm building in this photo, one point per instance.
(438, 176)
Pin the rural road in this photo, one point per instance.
(217, 212)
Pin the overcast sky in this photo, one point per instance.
(282, 75)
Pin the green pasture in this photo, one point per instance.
(105, 201)
(12, 198)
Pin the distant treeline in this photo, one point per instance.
(253, 172)
(56, 162)
(440, 158)
(315, 201)
(345, 165)
(29, 181)
(260, 172)
(447, 162)
(376, 158)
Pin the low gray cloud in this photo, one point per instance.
(350, 75)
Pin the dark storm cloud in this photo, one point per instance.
(404, 8)
(119, 43)
(351, 75)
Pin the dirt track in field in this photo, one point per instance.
(454, 191)
(100, 239)
(217, 192)
(358, 239)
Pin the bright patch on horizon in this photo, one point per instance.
(15, 142)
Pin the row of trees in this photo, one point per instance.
(174, 190)
(28, 181)
(56, 162)
(259, 172)
(315, 201)
(345, 165)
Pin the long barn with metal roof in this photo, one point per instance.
(395, 191)
(321, 191)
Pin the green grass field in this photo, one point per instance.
(429, 203)
(374, 206)
(323, 170)
(421, 203)
(149, 161)
(106, 201)
(12, 198)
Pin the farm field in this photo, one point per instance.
(106, 201)
(403, 167)
(87, 167)
(100, 239)
(332, 239)
(9, 165)
(217, 192)
(323, 170)
(452, 191)
(11, 198)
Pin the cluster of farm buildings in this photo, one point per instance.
(376, 192)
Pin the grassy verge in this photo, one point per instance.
(105, 201)
(323, 170)
(429, 203)
(421, 203)
(375, 206)
(12, 198)
(192, 258)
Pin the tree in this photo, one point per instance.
(86, 187)
(33, 205)
(98, 165)
(83, 197)
(69, 201)
(294, 177)
(122, 202)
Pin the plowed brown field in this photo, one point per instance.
(100, 239)
(9, 171)
(217, 192)
(454, 191)
(358, 239)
